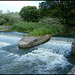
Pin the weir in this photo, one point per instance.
(52, 57)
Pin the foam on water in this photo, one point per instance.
(59, 47)
(40, 61)
(47, 58)
(2, 44)
(8, 39)
(63, 39)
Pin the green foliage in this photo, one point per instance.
(30, 13)
(23, 27)
(60, 9)
(2, 21)
(10, 18)
(44, 26)
(40, 32)
(48, 8)
(47, 26)
(48, 18)
(72, 31)
(1, 27)
(49, 21)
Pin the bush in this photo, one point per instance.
(48, 26)
(49, 21)
(10, 18)
(44, 26)
(53, 24)
(72, 31)
(40, 32)
(2, 21)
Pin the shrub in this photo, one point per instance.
(2, 21)
(40, 32)
(47, 26)
(10, 18)
(44, 26)
(49, 21)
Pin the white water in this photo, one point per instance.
(48, 58)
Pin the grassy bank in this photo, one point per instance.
(44, 26)
(23, 27)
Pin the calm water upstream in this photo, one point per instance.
(52, 57)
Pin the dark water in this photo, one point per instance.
(52, 57)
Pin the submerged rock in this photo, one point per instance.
(30, 41)
(73, 48)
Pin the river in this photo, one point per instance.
(52, 57)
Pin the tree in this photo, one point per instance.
(48, 8)
(60, 9)
(68, 13)
(29, 13)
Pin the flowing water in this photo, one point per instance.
(52, 57)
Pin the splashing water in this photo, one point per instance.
(47, 58)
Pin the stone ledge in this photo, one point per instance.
(73, 48)
(31, 41)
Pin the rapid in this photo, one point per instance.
(52, 57)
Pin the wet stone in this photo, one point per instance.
(73, 48)
(30, 41)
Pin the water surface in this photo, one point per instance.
(52, 57)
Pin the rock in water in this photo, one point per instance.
(73, 48)
(30, 41)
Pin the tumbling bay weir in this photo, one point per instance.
(52, 57)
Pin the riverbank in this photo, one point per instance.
(46, 26)
(4, 28)
(47, 58)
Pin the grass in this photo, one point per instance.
(47, 25)
(44, 26)
(23, 27)
(40, 32)
(45, 31)
(51, 26)
(1, 27)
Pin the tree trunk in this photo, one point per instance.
(66, 30)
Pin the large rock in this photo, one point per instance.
(30, 41)
(73, 48)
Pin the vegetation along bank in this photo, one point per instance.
(52, 17)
